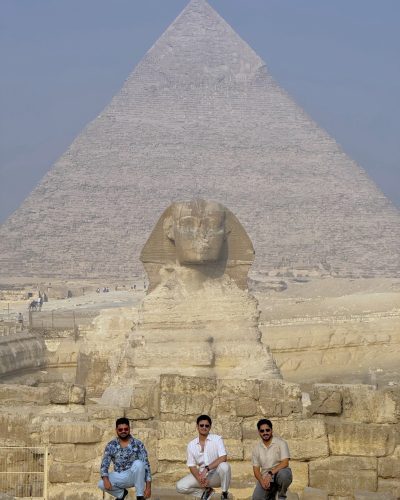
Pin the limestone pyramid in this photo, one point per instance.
(200, 116)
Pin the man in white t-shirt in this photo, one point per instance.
(207, 462)
(270, 464)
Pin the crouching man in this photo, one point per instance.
(131, 464)
(270, 464)
(207, 462)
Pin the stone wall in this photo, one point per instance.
(342, 438)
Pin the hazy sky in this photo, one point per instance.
(63, 60)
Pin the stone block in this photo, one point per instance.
(21, 394)
(145, 402)
(391, 485)
(242, 471)
(279, 398)
(60, 393)
(238, 388)
(104, 413)
(69, 473)
(313, 494)
(326, 399)
(187, 385)
(300, 475)
(178, 429)
(172, 450)
(170, 472)
(368, 440)
(117, 395)
(234, 449)
(341, 476)
(373, 495)
(228, 426)
(389, 467)
(185, 404)
(65, 393)
(83, 432)
(77, 395)
(74, 491)
(245, 407)
(15, 427)
(62, 452)
(363, 403)
(223, 407)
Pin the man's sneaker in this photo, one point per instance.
(208, 493)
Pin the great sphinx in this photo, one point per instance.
(197, 319)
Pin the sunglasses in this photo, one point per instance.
(123, 429)
(265, 431)
(206, 426)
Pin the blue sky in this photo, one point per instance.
(63, 60)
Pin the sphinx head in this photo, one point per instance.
(198, 231)
(201, 236)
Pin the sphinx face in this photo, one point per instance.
(198, 231)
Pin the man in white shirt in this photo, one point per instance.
(207, 462)
(270, 464)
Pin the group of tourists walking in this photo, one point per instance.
(207, 460)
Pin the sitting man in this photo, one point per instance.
(270, 464)
(207, 462)
(131, 464)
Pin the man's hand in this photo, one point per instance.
(107, 484)
(266, 481)
(147, 491)
(203, 478)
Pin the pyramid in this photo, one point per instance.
(200, 116)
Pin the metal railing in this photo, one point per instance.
(24, 471)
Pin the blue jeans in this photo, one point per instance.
(135, 476)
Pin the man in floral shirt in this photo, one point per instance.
(131, 464)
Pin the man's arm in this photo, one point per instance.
(216, 462)
(282, 464)
(105, 464)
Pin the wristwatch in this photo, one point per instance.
(207, 468)
(270, 473)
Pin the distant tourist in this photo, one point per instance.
(20, 319)
(270, 464)
(207, 462)
(131, 464)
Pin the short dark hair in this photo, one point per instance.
(122, 420)
(264, 421)
(204, 417)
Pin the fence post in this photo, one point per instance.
(45, 478)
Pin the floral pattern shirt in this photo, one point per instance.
(123, 458)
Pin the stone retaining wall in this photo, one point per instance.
(342, 438)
